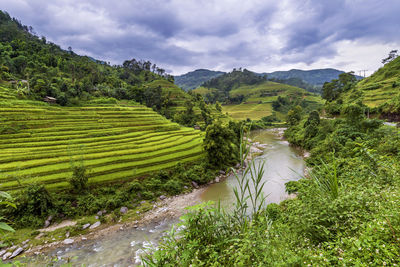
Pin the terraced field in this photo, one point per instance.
(38, 143)
(259, 98)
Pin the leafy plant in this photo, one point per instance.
(6, 200)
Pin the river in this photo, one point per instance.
(282, 164)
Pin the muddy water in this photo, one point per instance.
(122, 248)
(282, 163)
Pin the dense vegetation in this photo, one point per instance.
(95, 146)
(345, 213)
(378, 93)
(37, 68)
(194, 79)
(247, 95)
(297, 82)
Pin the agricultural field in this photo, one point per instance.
(40, 142)
(259, 98)
(379, 88)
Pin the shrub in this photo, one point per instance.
(79, 178)
(173, 187)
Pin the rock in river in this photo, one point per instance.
(96, 224)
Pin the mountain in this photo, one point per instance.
(194, 79)
(244, 94)
(37, 69)
(315, 77)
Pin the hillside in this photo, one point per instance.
(381, 88)
(115, 142)
(194, 79)
(315, 77)
(257, 100)
(38, 68)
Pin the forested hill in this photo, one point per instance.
(51, 71)
(194, 79)
(36, 68)
(311, 80)
(380, 91)
(315, 77)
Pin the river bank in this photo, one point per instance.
(165, 209)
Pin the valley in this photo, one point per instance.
(106, 159)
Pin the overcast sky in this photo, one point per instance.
(183, 35)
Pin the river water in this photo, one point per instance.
(282, 163)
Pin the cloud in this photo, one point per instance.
(219, 34)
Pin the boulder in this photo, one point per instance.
(195, 185)
(99, 213)
(96, 224)
(2, 252)
(68, 241)
(5, 256)
(50, 218)
(255, 150)
(123, 210)
(85, 226)
(221, 172)
(217, 180)
(162, 197)
(46, 224)
(26, 241)
(16, 252)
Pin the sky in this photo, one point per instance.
(184, 35)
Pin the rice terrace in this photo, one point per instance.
(114, 142)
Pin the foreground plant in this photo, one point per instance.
(6, 200)
(209, 233)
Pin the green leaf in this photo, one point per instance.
(6, 227)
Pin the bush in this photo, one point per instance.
(173, 187)
(79, 179)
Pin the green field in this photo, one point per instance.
(115, 142)
(259, 98)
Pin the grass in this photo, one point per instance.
(245, 110)
(115, 142)
(380, 87)
(259, 98)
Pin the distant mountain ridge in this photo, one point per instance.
(194, 79)
(316, 77)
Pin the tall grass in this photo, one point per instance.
(326, 178)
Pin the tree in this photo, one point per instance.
(392, 55)
(219, 143)
(294, 115)
(218, 106)
(353, 113)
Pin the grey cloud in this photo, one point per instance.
(236, 33)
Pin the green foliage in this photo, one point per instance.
(332, 90)
(220, 144)
(345, 212)
(79, 178)
(294, 115)
(5, 200)
(212, 236)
